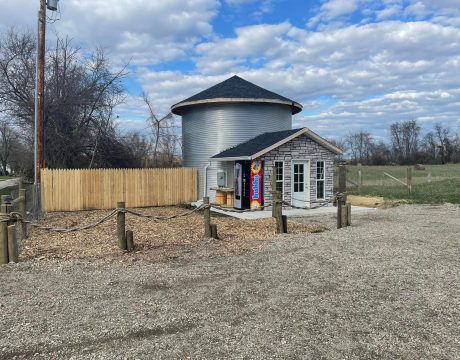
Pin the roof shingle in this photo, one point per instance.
(236, 88)
(256, 144)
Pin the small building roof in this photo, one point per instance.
(235, 89)
(262, 144)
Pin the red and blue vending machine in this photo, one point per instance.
(248, 186)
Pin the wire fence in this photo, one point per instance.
(417, 183)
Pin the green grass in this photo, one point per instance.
(427, 193)
(5, 178)
(442, 185)
(7, 190)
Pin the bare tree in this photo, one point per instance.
(443, 143)
(139, 147)
(360, 145)
(164, 135)
(405, 140)
(81, 93)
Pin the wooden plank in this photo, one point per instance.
(81, 189)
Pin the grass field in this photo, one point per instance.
(435, 184)
(8, 190)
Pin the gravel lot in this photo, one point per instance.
(387, 287)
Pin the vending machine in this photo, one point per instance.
(248, 186)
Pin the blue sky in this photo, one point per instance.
(354, 64)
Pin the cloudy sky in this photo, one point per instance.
(353, 64)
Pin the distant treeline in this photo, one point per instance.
(406, 145)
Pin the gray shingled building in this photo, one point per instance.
(236, 133)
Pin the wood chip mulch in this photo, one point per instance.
(155, 241)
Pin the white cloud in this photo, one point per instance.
(409, 70)
(147, 31)
(335, 8)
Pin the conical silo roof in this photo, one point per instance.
(234, 90)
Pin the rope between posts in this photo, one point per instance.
(201, 207)
(17, 217)
(333, 199)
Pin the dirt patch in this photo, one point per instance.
(155, 240)
(370, 201)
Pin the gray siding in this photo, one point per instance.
(301, 148)
(210, 129)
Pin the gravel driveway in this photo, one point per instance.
(387, 287)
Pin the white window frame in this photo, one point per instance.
(323, 180)
(284, 174)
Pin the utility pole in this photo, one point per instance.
(52, 5)
(40, 90)
(39, 163)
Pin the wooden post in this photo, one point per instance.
(340, 203)
(214, 231)
(23, 211)
(12, 244)
(429, 177)
(121, 226)
(3, 243)
(409, 180)
(360, 178)
(348, 213)
(207, 218)
(285, 227)
(20, 184)
(344, 216)
(343, 181)
(278, 213)
(129, 240)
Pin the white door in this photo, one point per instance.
(300, 187)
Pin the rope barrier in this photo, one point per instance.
(201, 207)
(17, 217)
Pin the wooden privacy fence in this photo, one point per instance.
(86, 189)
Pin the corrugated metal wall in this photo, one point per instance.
(211, 128)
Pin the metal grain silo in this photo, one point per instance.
(223, 116)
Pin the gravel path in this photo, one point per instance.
(387, 287)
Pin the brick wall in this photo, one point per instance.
(300, 148)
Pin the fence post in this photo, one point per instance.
(121, 226)
(129, 240)
(12, 244)
(343, 181)
(284, 220)
(207, 217)
(344, 215)
(360, 178)
(348, 213)
(278, 212)
(22, 210)
(3, 243)
(409, 180)
(340, 203)
(213, 228)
